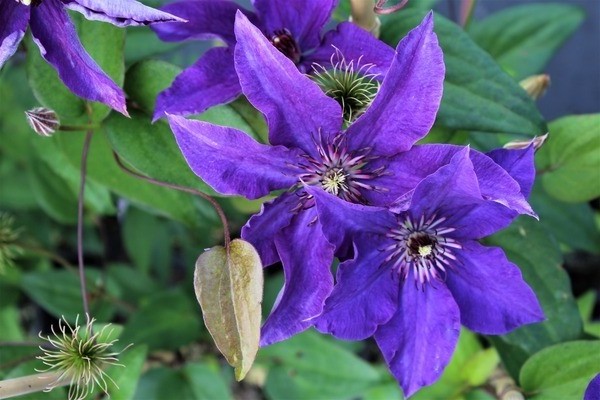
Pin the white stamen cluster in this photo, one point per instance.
(423, 247)
(339, 172)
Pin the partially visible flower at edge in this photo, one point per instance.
(55, 35)
(592, 392)
(371, 162)
(419, 272)
(79, 355)
(292, 26)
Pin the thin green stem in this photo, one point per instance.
(80, 202)
(213, 202)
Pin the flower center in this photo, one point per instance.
(334, 180)
(34, 3)
(284, 42)
(351, 84)
(338, 171)
(422, 246)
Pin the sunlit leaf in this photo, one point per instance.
(229, 288)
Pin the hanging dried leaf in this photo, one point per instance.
(229, 290)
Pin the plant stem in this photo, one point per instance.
(504, 386)
(213, 202)
(80, 202)
(363, 15)
(44, 253)
(32, 384)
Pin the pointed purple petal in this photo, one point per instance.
(262, 228)
(492, 296)
(230, 161)
(418, 342)
(365, 295)
(296, 109)
(303, 18)
(354, 44)
(119, 12)
(13, 24)
(207, 19)
(342, 220)
(592, 392)
(497, 185)
(57, 39)
(406, 170)
(451, 187)
(406, 105)
(210, 81)
(306, 256)
(519, 164)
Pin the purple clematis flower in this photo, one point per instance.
(419, 272)
(592, 392)
(292, 26)
(55, 35)
(367, 163)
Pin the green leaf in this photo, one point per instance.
(166, 320)
(527, 245)
(146, 79)
(569, 161)
(151, 149)
(126, 376)
(229, 288)
(571, 224)
(194, 381)
(103, 169)
(57, 291)
(586, 303)
(309, 366)
(522, 39)
(561, 371)
(478, 95)
(104, 43)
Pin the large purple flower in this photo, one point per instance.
(292, 26)
(367, 163)
(419, 272)
(55, 35)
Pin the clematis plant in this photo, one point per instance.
(292, 26)
(368, 163)
(419, 272)
(56, 37)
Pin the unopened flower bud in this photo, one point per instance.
(43, 121)
(536, 85)
(537, 142)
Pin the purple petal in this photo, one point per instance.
(207, 19)
(497, 185)
(406, 105)
(262, 228)
(418, 342)
(354, 44)
(342, 220)
(451, 187)
(231, 161)
(210, 81)
(303, 18)
(492, 296)
(519, 164)
(592, 392)
(13, 24)
(306, 258)
(365, 295)
(296, 110)
(120, 12)
(406, 170)
(57, 39)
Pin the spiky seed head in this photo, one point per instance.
(80, 355)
